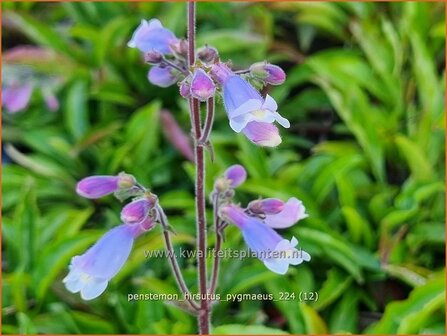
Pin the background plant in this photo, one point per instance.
(365, 97)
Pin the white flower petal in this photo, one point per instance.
(278, 266)
(305, 255)
(281, 120)
(247, 107)
(270, 104)
(238, 124)
(93, 288)
(153, 24)
(294, 241)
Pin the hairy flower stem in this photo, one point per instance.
(208, 121)
(204, 312)
(172, 259)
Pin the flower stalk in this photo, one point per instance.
(204, 313)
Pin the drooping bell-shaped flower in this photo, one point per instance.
(15, 98)
(269, 73)
(265, 206)
(101, 185)
(202, 86)
(91, 272)
(262, 134)
(274, 251)
(236, 175)
(151, 35)
(162, 77)
(293, 211)
(242, 101)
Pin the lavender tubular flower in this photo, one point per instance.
(247, 110)
(244, 104)
(90, 273)
(151, 35)
(275, 252)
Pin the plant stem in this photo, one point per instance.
(217, 247)
(173, 260)
(204, 313)
(209, 119)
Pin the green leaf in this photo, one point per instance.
(411, 315)
(76, 109)
(415, 157)
(333, 287)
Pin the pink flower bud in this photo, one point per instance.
(207, 54)
(270, 73)
(185, 89)
(236, 174)
(202, 86)
(137, 211)
(268, 206)
(101, 185)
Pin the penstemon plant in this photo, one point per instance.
(201, 76)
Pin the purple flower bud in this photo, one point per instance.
(236, 174)
(270, 73)
(202, 86)
(162, 77)
(101, 185)
(274, 251)
(207, 54)
(292, 212)
(16, 97)
(137, 211)
(262, 134)
(152, 36)
(51, 101)
(185, 89)
(153, 57)
(90, 273)
(268, 206)
(176, 136)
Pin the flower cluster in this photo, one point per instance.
(247, 110)
(258, 220)
(90, 273)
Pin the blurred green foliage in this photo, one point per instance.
(366, 154)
